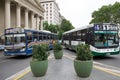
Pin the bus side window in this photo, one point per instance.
(35, 40)
(88, 38)
(40, 37)
(29, 38)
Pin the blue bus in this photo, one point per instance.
(19, 41)
(102, 38)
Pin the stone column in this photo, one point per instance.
(7, 14)
(37, 22)
(18, 15)
(41, 23)
(32, 20)
(26, 18)
(42, 20)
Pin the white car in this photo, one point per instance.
(1, 47)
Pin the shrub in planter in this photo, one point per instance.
(58, 51)
(83, 52)
(84, 60)
(39, 63)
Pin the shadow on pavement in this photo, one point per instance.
(19, 57)
(104, 57)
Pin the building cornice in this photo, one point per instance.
(37, 5)
(44, 1)
(48, 1)
(37, 9)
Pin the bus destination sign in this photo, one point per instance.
(14, 30)
(105, 27)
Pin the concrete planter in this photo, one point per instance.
(39, 68)
(83, 68)
(58, 54)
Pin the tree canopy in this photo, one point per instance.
(107, 14)
(64, 26)
(51, 27)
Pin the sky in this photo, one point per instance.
(79, 12)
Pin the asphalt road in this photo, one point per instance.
(112, 60)
(11, 65)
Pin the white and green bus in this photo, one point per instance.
(102, 38)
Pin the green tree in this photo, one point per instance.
(45, 25)
(60, 34)
(116, 12)
(102, 15)
(66, 25)
(51, 27)
(106, 14)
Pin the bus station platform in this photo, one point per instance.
(63, 69)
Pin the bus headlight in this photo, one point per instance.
(5, 50)
(22, 49)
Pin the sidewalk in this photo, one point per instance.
(63, 69)
(58, 70)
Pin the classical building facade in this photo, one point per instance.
(51, 14)
(21, 13)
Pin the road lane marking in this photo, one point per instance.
(108, 67)
(98, 63)
(4, 61)
(19, 74)
(22, 73)
(108, 70)
(25, 71)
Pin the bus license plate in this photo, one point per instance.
(107, 54)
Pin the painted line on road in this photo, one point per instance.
(106, 70)
(19, 74)
(4, 61)
(22, 73)
(110, 71)
(25, 71)
(113, 68)
(108, 67)
(98, 63)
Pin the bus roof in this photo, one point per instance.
(88, 26)
(80, 28)
(12, 30)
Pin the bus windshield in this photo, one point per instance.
(2, 40)
(106, 40)
(14, 39)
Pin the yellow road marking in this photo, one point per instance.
(4, 61)
(27, 71)
(105, 70)
(68, 56)
(98, 67)
(21, 75)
